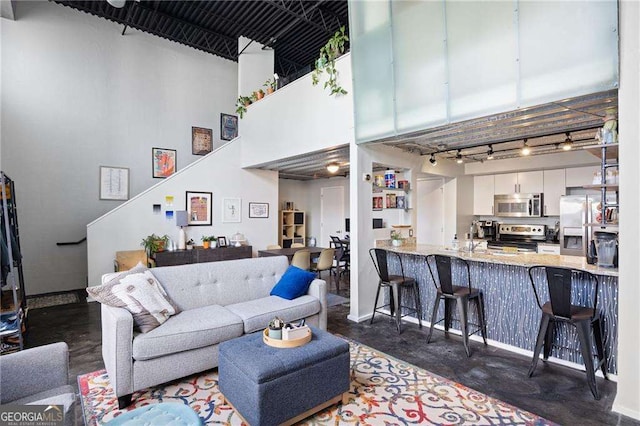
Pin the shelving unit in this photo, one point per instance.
(605, 152)
(13, 299)
(292, 228)
(383, 191)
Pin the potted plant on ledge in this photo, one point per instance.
(396, 238)
(154, 243)
(270, 84)
(206, 241)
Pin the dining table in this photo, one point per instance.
(290, 251)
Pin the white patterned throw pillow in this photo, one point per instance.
(141, 294)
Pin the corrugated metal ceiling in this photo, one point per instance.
(294, 29)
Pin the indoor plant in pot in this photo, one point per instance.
(206, 241)
(154, 243)
(327, 62)
(396, 238)
(242, 104)
(270, 84)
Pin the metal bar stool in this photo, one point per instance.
(560, 283)
(395, 283)
(460, 295)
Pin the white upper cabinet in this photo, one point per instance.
(580, 176)
(524, 182)
(506, 183)
(554, 188)
(483, 191)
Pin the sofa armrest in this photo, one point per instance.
(318, 289)
(117, 348)
(34, 370)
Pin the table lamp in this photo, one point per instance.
(181, 221)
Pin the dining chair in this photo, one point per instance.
(301, 259)
(297, 245)
(324, 263)
(274, 247)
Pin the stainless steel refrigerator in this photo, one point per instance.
(579, 217)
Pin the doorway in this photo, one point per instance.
(331, 213)
(430, 221)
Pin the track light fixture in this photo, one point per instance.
(490, 153)
(459, 157)
(333, 167)
(568, 143)
(525, 149)
(433, 160)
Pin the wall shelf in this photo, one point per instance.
(596, 150)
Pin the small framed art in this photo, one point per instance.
(198, 208)
(114, 183)
(164, 162)
(259, 210)
(201, 140)
(228, 127)
(222, 241)
(231, 209)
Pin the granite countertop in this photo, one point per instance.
(519, 259)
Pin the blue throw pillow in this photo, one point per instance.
(294, 283)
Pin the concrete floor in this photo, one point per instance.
(557, 393)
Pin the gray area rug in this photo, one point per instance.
(52, 300)
(335, 300)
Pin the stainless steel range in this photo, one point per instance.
(524, 238)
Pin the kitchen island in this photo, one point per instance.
(512, 314)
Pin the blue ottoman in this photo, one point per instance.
(271, 386)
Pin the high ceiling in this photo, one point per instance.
(296, 30)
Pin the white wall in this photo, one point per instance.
(76, 95)
(220, 173)
(255, 66)
(298, 119)
(627, 401)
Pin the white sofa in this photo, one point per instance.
(218, 301)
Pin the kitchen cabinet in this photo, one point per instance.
(554, 188)
(580, 176)
(523, 182)
(483, 191)
(198, 255)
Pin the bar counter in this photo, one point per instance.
(512, 314)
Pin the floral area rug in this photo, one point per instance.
(384, 391)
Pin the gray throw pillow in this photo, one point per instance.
(139, 292)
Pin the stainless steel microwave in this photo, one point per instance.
(518, 205)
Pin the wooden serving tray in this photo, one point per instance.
(278, 343)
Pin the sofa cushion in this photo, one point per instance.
(190, 329)
(294, 283)
(139, 293)
(257, 313)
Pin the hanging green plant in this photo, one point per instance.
(242, 104)
(327, 62)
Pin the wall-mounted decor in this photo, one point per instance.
(198, 208)
(258, 210)
(222, 241)
(164, 162)
(228, 127)
(377, 203)
(231, 209)
(114, 183)
(201, 140)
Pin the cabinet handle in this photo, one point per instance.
(545, 209)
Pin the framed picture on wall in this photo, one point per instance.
(198, 208)
(201, 140)
(231, 210)
(114, 183)
(228, 127)
(259, 210)
(164, 162)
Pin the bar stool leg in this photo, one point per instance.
(448, 314)
(375, 304)
(434, 316)
(548, 339)
(585, 347)
(416, 298)
(597, 334)
(463, 307)
(544, 323)
(396, 302)
(483, 321)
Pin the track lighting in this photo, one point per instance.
(568, 143)
(118, 4)
(490, 153)
(525, 149)
(433, 160)
(333, 167)
(459, 157)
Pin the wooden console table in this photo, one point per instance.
(200, 255)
